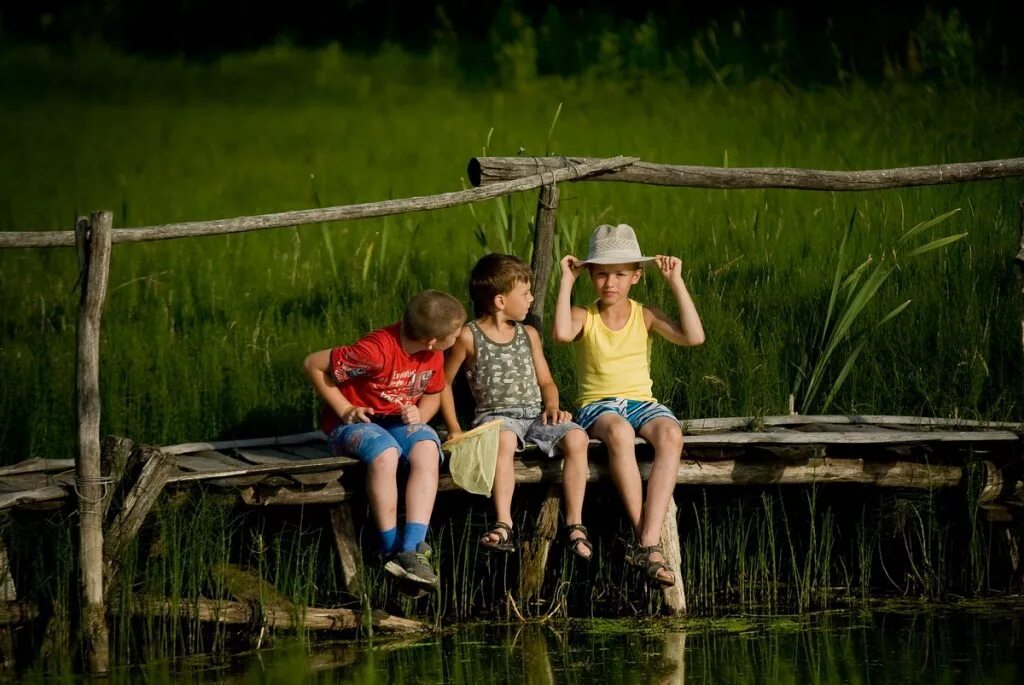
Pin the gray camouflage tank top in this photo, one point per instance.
(502, 375)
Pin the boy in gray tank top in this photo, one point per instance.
(510, 380)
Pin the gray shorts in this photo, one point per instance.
(527, 425)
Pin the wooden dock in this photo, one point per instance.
(873, 451)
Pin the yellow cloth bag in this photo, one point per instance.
(474, 456)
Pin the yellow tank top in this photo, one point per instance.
(614, 363)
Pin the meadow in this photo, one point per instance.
(204, 338)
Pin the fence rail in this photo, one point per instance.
(484, 171)
(366, 210)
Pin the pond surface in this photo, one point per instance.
(965, 644)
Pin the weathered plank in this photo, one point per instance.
(38, 465)
(289, 467)
(703, 425)
(366, 210)
(484, 171)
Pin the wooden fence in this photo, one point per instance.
(94, 238)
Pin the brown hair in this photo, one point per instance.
(495, 274)
(432, 315)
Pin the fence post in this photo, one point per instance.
(93, 238)
(1020, 264)
(543, 245)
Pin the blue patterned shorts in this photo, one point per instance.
(636, 412)
(366, 441)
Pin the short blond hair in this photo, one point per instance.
(433, 315)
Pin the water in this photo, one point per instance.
(933, 646)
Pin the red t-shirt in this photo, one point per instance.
(376, 372)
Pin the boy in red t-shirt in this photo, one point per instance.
(379, 394)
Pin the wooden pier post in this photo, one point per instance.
(1020, 264)
(93, 239)
(674, 597)
(543, 246)
(535, 550)
(347, 544)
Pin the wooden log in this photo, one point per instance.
(116, 461)
(534, 558)
(8, 592)
(897, 474)
(484, 171)
(156, 469)
(289, 495)
(673, 598)
(366, 210)
(1020, 264)
(239, 613)
(543, 255)
(93, 238)
(347, 543)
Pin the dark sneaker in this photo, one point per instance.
(414, 568)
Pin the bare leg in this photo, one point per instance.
(666, 437)
(618, 436)
(574, 481)
(420, 491)
(504, 483)
(382, 488)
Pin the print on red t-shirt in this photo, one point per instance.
(376, 372)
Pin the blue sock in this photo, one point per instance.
(414, 534)
(389, 541)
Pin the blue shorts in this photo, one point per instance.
(366, 441)
(636, 412)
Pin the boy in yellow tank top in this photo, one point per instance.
(612, 338)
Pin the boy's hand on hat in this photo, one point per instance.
(671, 267)
(571, 266)
(411, 415)
(357, 415)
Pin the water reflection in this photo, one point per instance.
(952, 646)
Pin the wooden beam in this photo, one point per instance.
(899, 474)
(267, 469)
(534, 560)
(93, 237)
(673, 598)
(1019, 259)
(543, 252)
(156, 468)
(193, 229)
(239, 613)
(347, 543)
(484, 171)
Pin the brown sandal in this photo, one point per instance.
(574, 543)
(642, 560)
(504, 533)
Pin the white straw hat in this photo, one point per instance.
(615, 245)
